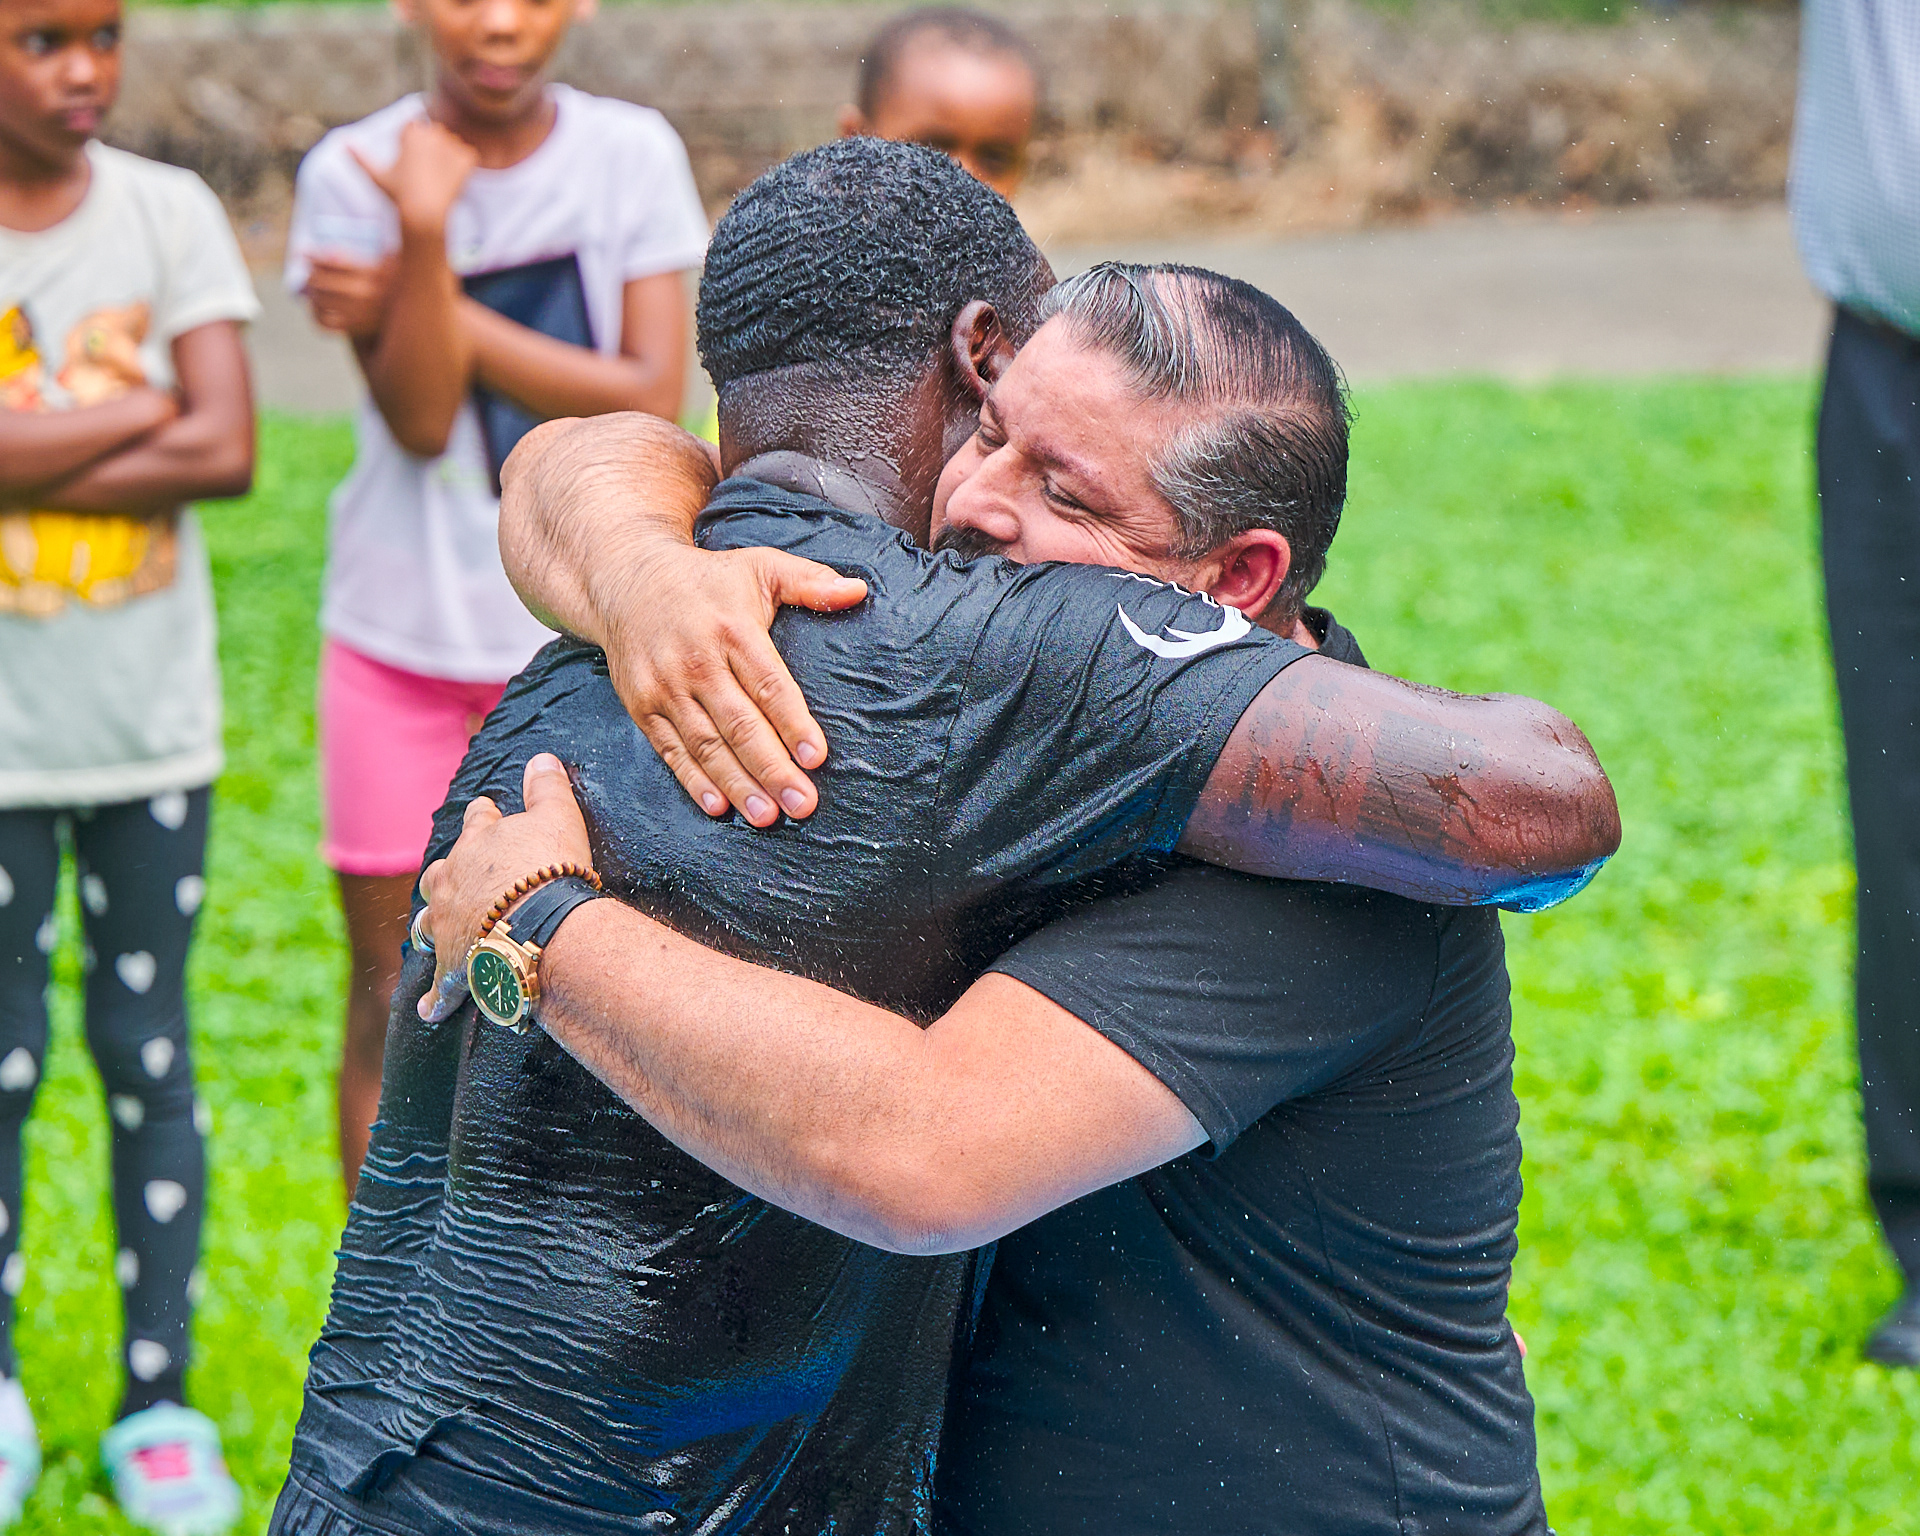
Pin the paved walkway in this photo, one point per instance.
(1528, 297)
(1513, 296)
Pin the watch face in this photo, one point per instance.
(495, 987)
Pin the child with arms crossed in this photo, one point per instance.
(500, 250)
(123, 395)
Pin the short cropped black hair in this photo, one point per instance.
(951, 24)
(853, 260)
(1268, 444)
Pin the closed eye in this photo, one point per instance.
(1060, 498)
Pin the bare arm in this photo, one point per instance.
(588, 506)
(204, 452)
(1338, 773)
(916, 1140)
(38, 448)
(552, 378)
(419, 364)
(1334, 773)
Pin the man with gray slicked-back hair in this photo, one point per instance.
(1268, 447)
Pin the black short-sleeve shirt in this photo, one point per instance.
(577, 1316)
(1299, 1329)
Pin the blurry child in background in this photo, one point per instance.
(123, 395)
(500, 250)
(955, 80)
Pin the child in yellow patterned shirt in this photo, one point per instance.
(123, 396)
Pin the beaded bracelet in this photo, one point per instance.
(532, 882)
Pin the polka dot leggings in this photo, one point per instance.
(139, 867)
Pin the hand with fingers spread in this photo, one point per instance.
(493, 851)
(701, 677)
(596, 532)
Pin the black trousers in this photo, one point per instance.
(1869, 458)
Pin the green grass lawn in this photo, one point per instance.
(1697, 1265)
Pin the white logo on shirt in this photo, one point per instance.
(1234, 625)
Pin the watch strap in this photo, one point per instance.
(536, 919)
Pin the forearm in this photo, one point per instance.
(420, 365)
(918, 1141)
(1352, 776)
(40, 448)
(196, 457)
(552, 378)
(817, 1102)
(582, 502)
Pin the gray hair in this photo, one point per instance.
(1268, 448)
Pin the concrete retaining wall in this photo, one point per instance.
(1158, 111)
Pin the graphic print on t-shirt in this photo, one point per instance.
(49, 557)
(545, 296)
(1172, 644)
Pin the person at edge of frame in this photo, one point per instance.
(958, 81)
(1856, 161)
(124, 397)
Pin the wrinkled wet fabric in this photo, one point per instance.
(548, 1317)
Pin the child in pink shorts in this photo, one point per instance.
(500, 250)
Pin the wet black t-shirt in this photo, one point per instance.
(547, 1316)
(1300, 1329)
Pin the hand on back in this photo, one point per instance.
(426, 177)
(701, 677)
(686, 630)
(493, 852)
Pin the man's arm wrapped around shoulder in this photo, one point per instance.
(1332, 773)
(1339, 773)
(596, 533)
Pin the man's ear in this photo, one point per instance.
(852, 122)
(585, 10)
(1247, 571)
(981, 348)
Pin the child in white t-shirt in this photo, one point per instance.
(123, 396)
(500, 250)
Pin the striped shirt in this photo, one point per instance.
(1854, 188)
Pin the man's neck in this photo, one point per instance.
(1292, 627)
(869, 487)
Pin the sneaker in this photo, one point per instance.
(19, 1451)
(168, 1473)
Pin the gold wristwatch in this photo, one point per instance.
(503, 970)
